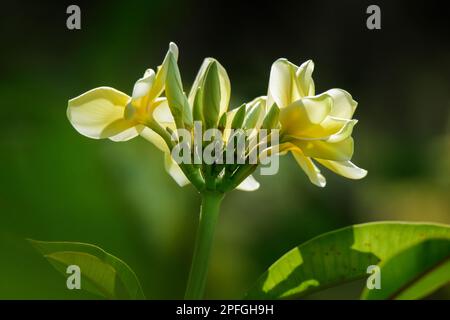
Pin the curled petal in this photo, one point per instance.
(305, 81)
(344, 168)
(309, 168)
(331, 129)
(282, 83)
(316, 108)
(284, 148)
(162, 113)
(344, 133)
(249, 184)
(126, 135)
(288, 83)
(174, 170)
(339, 151)
(99, 112)
(154, 138)
(160, 77)
(304, 115)
(304, 162)
(143, 85)
(343, 104)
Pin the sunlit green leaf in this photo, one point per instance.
(340, 256)
(414, 272)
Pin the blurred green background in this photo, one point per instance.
(59, 185)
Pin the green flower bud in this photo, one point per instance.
(211, 96)
(239, 117)
(255, 114)
(223, 121)
(210, 93)
(271, 119)
(197, 109)
(178, 103)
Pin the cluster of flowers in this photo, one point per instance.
(291, 118)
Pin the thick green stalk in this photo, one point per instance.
(209, 213)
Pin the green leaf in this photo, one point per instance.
(340, 256)
(414, 272)
(211, 96)
(101, 273)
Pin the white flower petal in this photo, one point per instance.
(154, 138)
(160, 77)
(143, 85)
(99, 112)
(344, 168)
(339, 151)
(162, 113)
(225, 89)
(344, 132)
(317, 108)
(174, 170)
(249, 184)
(309, 168)
(302, 118)
(304, 79)
(126, 135)
(343, 105)
(281, 83)
(331, 130)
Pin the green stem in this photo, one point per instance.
(209, 213)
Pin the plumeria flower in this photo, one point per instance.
(105, 112)
(313, 127)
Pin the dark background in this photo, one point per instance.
(58, 185)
